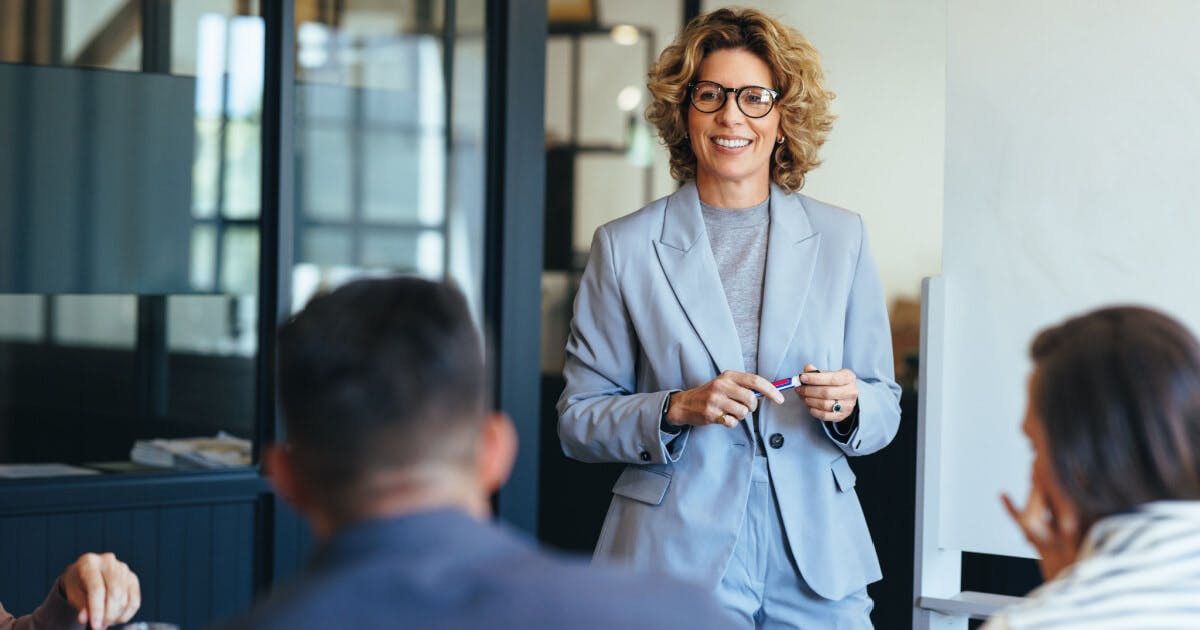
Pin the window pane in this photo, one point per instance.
(206, 169)
(106, 321)
(375, 160)
(212, 324)
(327, 246)
(129, 239)
(242, 160)
(100, 34)
(108, 33)
(21, 318)
(240, 261)
(417, 253)
(204, 254)
(393, 179)
(323, 163)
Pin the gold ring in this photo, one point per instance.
(721, 418)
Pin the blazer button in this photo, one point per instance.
(776, 440)
(645, 456)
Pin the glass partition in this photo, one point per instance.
(130, 204)
(130, 148)
(389, 143)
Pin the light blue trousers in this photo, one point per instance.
(762, 585)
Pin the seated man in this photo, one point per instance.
(96, 590)
(392, 456)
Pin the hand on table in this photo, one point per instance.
(726, 400)
(103, 589)
(829, 396)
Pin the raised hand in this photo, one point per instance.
(1048, 521)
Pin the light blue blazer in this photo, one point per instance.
(651, 318)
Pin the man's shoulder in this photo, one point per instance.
(507, 582)
(603, 596)
(534, 592)
(558, 590)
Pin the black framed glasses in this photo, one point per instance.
(754, 101)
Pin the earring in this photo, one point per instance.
(779, 141)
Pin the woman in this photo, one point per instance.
(1114, 508)
(688, 310)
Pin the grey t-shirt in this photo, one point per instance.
(739, 244)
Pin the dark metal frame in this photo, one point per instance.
(285, 539)
(151, 347)
(516, 172)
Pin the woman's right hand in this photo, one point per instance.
(1048, 521)
(726, 400)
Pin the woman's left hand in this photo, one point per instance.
(830, 396)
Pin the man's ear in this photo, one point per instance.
(279, 468)
(279, 463)
(497, 451)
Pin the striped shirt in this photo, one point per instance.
(1135, 570)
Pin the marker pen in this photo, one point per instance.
(784, 384)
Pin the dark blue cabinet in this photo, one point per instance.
(203, 545)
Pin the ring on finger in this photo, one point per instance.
(837, 406)
(721, 419)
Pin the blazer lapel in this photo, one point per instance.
(687, 260)
(792, 249)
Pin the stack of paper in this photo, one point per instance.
(222, 451)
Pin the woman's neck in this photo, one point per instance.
(732, 195)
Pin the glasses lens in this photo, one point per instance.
(708, 96)
(755, 101)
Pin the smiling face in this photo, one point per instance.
(733, 151)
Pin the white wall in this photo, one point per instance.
(886, 61)
(1072, 180)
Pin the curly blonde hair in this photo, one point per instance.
(803, 104)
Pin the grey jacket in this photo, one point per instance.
(651, 317)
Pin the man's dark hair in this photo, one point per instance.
(381, 375)
(1118, 394)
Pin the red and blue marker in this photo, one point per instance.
(784, 384)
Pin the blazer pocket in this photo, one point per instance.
(643, 485)
(843, 476)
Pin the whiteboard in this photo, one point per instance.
(1072, 181)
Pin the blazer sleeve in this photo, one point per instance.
(867, 349)
(601, 416)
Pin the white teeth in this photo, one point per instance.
(732, 144)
